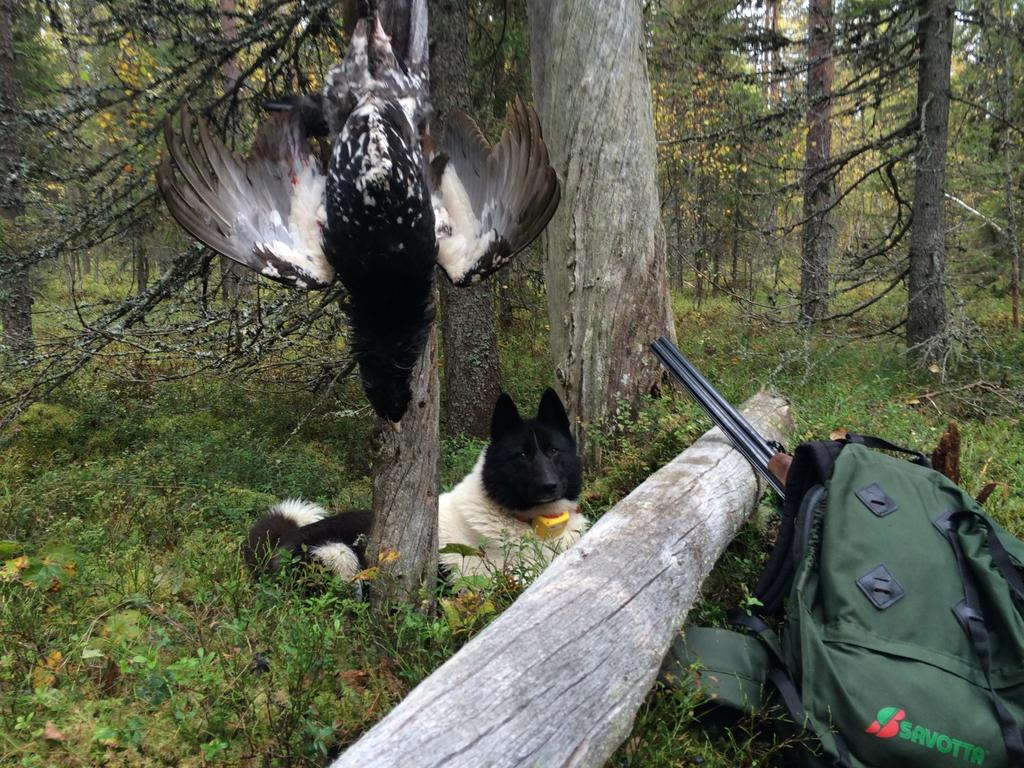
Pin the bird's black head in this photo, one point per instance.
(530, 462)
(387, 390)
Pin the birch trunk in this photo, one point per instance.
(606, 271)
(557, 679)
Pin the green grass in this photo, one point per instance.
(131, 634)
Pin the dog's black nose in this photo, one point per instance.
(548, 489)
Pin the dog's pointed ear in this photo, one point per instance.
(552, 412)
(505, 417)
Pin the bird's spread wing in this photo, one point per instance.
(266, 212)
(490, 201)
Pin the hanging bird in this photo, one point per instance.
(386, 209)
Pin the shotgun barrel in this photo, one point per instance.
(747, 440)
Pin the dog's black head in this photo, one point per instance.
(531, 461)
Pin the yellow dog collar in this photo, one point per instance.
(549, 526)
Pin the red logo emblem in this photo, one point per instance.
(888, 723)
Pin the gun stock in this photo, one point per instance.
(767, 458)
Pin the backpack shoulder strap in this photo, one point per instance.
(970, 614)
(1001, 558)
(729, 668)
(810, 471)
(812, 466)
(878, 443)
(778, 675)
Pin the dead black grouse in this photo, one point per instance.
(384, 214)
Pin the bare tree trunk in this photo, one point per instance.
(469, 340)
(15, 277)
(716, 268)
(73, 188)
(140, 264)
(714, 242)
(819, 186)
(674, 234)
(772, 11)
(734, 245)
(1005, 88)
(606, 272)
(403, 539)
(235, 278)
(700, 254)
(926, 301)
(472, 380)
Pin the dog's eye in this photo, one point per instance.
(551, 450)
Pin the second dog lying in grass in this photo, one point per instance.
(523, 489)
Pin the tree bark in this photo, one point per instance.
(403, 539)
(605, 266)
(235, 282)
(926, 301)
(140, 263)
(469, 339)
(472, 376)
(772, 12)
(557, 679)
(818, 236)
(15, 276)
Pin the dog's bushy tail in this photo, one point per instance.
(309, 534)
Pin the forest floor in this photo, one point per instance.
(130, 633)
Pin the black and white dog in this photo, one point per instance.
(524, 488)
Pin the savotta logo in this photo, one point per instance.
(891, 722)
(887, 723)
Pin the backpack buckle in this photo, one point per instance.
(881, 587)
(965, 613)
(945, 524)
(877, 500)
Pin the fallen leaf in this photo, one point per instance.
(934, 368)
(838, 434)
(355, 679)
(44, 673)
(387, 556)
(52, 733)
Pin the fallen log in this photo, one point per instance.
(557, 679)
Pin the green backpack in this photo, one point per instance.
(902, 639)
